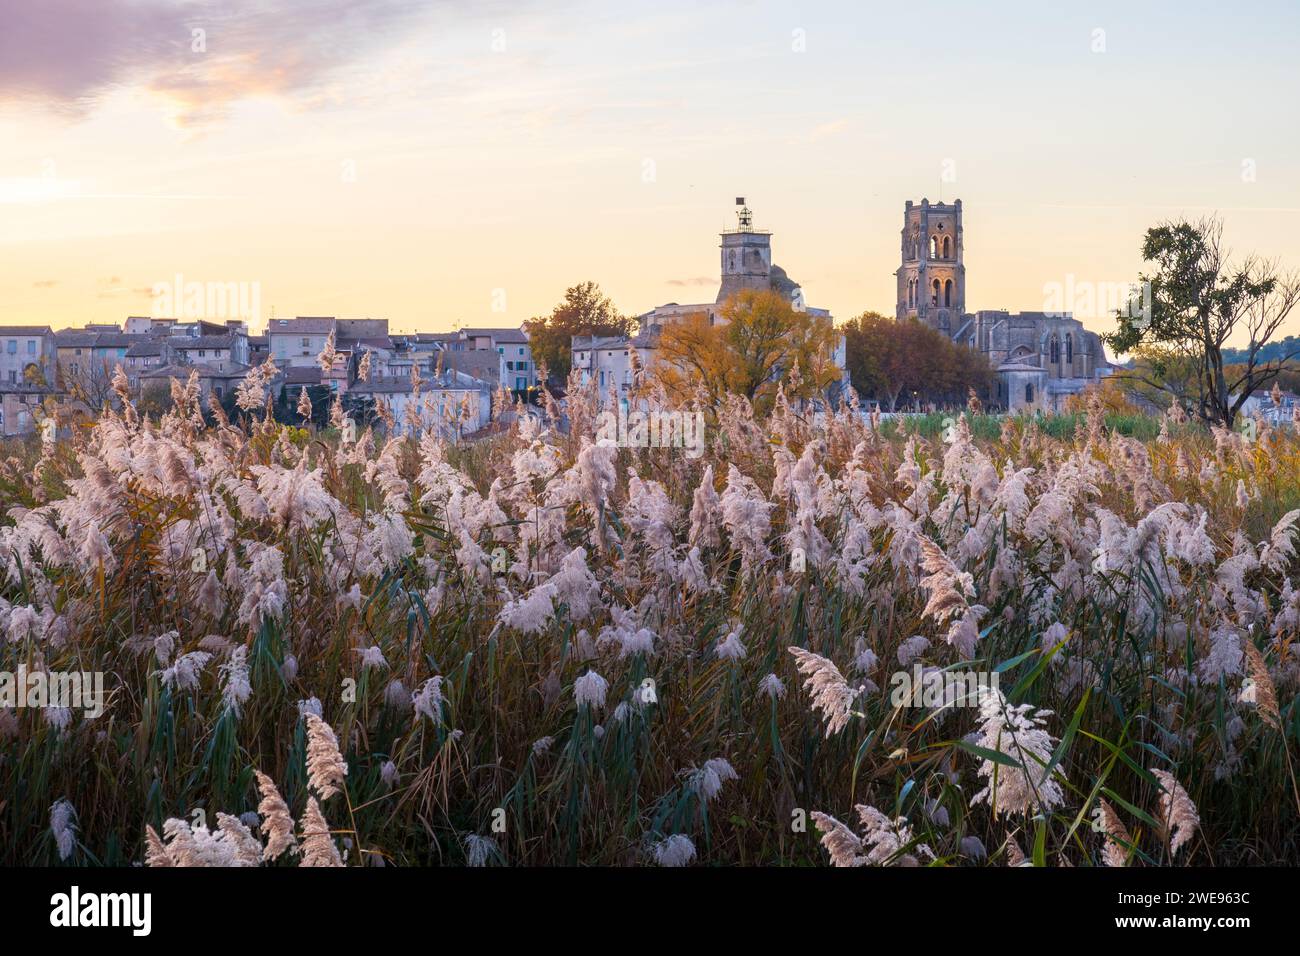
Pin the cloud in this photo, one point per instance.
(833, 128)
(698, 280)
(70, 54)
(45, 283)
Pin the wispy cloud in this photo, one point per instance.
(200, 57)
(826, 130)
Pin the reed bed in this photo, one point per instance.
(533, 649)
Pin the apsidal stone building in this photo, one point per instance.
(1041, 358)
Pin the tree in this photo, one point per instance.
(1162, 375)
(888, 359)
(585, 311)
(91, 383)
(758, 338)
(1198, 299)
(285, 408)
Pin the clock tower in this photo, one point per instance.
(746, 256)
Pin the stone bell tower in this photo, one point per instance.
(932, 277)
(746, 256)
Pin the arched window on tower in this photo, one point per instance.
(947, 291)
(1069, 348)
(934, 298)
(1056, 350)
(945, 248)
(934, 247)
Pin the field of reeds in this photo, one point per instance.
(532, 649)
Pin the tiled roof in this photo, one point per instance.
(504, 336)
(477, 362)
(374, 342)
(143, 349)
(585, 343)
(77, 338)
(302, 375)
(202, 342)
(303, 325)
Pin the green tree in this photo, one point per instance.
(1195, 300)
(585, 310)
(889, 360)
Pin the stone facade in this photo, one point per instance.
(1041, 358)
(28, 355)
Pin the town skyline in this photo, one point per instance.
(442, 168)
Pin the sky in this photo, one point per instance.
(448, 163)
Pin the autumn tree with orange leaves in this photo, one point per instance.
(756, 341)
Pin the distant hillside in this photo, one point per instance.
(1269, 353)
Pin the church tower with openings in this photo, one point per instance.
(932, 277)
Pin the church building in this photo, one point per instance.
(1041, 358)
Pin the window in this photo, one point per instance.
(1029, 394)
(202, 353)
(31, 346)
(947, 291)
(13, 375)
(1056, 350)
(76, 351)
(945, 247)
(934, 295)
(12, 347)
(1069, 348)
(521, 351)
(306, 342)
(934, 247)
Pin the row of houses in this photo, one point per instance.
(460, 369)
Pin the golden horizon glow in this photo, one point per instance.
(431, 165)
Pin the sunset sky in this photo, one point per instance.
(423, 161)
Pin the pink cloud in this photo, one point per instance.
(68, 54)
